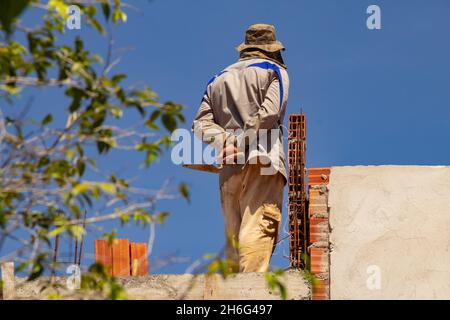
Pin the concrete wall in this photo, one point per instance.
(243, 286)
(392, 224)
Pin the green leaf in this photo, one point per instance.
(110, 236)
(224, 267)
(77, 95)
(56, 231)
(273, 282)
(11, 9)
(37, 268)
(124, 218)
(123, 16)
(106, 10)
(184, 191)
(306, 260)
(77, 67)
(92, 186)
(81, 166)
(77, 231)
(118, 77)
(116, 291)
(22, 266)
(53, 295)
(169, 122)
(119, 15)
(48, 118)
(150, 157)
(116, 15)
(80, 149)
(93, 22)
(108, 187)
(102, 147)
(12, 90)
(151, 125)
(214, 266)
(81, 188)
(155, 114)
(70, 154)
(161, 217)
(60, 7)
(116, 112)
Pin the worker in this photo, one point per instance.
(249, 97)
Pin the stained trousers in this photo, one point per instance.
(251, 206)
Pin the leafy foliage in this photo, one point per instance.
(224, 267)
(98, 279)
(309, 276)
(274, 282)
(44, 163)
(11, 10)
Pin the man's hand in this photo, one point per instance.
(228, 155)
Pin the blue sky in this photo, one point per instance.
(370, 97)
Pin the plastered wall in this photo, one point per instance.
(390, 232)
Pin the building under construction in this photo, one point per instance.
(363, 232)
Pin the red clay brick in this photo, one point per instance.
(317, 180)
(319, 260)
(318, 229)
(319, 171)
(318, 200)
(313, 209)
(103, 254)
(318, 176)
(139, 260)
(121, 258)
(320, 290)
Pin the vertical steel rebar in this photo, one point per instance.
(82, 239)
(76, 251)
(55, 255)
(298, 220)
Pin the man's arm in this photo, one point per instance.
(206, 129)
(269, 112)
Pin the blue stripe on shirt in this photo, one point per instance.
(271, 66)
(212, 80)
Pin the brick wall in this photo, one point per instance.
(319, 230)
(122, 258)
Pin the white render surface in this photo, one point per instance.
(390, 232)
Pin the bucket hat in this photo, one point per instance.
(261, 36)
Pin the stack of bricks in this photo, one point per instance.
(297, 190)
(319, 230)
(122, 258)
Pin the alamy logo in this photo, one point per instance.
(373, 281)
(73, 18)
(228, 147)
(73, 282)
(374, 20)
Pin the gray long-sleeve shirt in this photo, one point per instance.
(251, 94)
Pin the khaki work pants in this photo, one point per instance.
(251, 205)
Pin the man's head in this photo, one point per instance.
(261, 36)
(261, 42)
